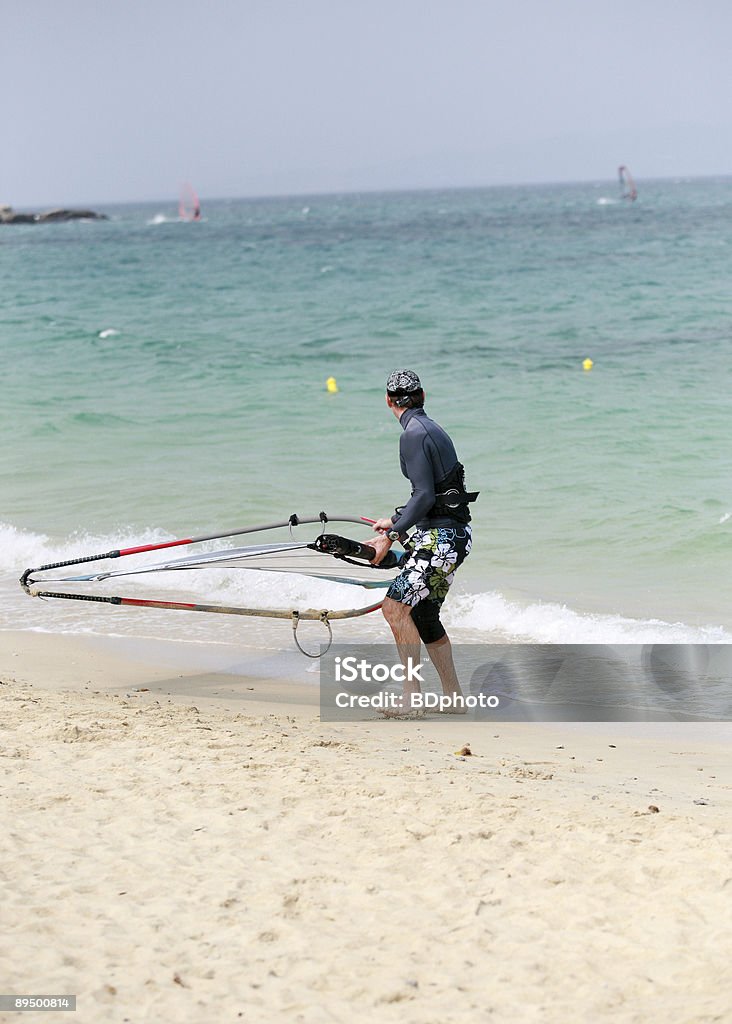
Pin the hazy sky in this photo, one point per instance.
(109, 100)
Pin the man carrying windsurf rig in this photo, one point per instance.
(438, 513)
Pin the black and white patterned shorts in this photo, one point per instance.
(433, 557)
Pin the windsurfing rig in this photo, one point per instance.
(189, 205)
(627, 185)
(277, 557)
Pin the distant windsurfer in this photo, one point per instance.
(627, 185)
(189, 205)
(438, 511)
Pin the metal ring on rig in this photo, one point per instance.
(326, 623)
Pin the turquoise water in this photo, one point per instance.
(163, 378)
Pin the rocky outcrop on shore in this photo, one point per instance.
(9, 216)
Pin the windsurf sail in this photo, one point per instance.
(627, 185)
(189, 205)
(326, 556)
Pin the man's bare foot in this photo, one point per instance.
(401, 712)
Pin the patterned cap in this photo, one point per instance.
(403, 382)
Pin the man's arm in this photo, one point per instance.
(412, 448)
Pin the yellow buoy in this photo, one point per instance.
(331, 385)
(587, 364)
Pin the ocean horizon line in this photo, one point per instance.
(172, 197)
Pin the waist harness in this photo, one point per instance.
(451, 497)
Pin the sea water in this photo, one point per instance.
(163, 379)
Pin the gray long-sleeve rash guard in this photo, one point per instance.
(427, 456)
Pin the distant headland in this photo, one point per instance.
(9, 216)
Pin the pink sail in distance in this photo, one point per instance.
(189, 205)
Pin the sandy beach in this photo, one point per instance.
(189, 845)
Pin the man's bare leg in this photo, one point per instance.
(406, 637)
(440, 653)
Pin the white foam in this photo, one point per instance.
(108, 332)
(541, 622)
(21, 548)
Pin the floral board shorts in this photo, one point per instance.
(433, 557)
